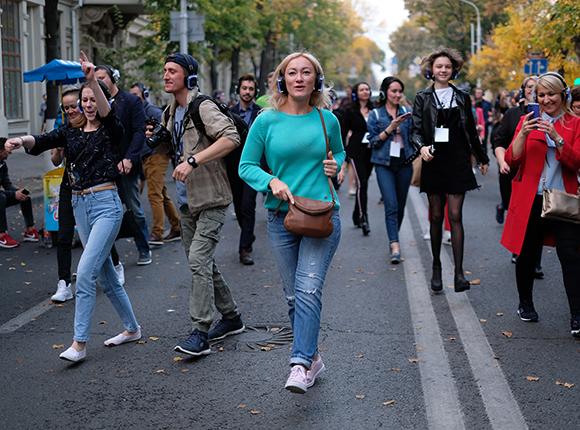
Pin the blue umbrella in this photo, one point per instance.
(59, 71)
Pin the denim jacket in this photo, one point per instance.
(379, 120)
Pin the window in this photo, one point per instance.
(11, 59)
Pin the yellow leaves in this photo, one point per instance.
(533, 378)
(475, 282)
(507, 333)
(255, 411)
(565, 384)
(153, 338)
(58, 346)
(177, 359)
(242, 406)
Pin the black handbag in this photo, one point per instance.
(129, 226)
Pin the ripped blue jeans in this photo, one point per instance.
(303, 263)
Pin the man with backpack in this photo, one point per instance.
(244, 196)
(203, 194)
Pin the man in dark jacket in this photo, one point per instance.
(10, 196)
(244, 196)
(129, 110)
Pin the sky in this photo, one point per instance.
(380, 19)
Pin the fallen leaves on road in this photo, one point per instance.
(177, 359)
(268, 286)
(467, 272)
(221, 349)
(242, 406)
(389, 403)
(360, 355)
(153, 338)
(475, 282)
(395, 369)
(59, 305)
(482, 321)
(184, 370)
(160, 371)
(565, 384)
(532, 378)
(58, 346)
(507, 333)
(451, 339)
(413, 360)
(141, 342)
(499, 314)
(360, 396)
(255, 411)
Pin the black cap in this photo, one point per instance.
(184, 60)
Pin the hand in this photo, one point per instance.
(504, 168)
(87, 67)
(399, 120)
(483, 169)
(20, 196)
(548, 128)
(529, 124)
(330, 165)
(182, 171)
(125, 166)
(425, 154)
(281, 191)
(342, 173)
(13, 143)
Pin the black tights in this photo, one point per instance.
(437, 215)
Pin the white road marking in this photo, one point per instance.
(26, 317)
(502, 408)
(439, 391)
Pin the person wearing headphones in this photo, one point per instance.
(244, 196)
(501, 138)
(390, 136)
(155, 163)
(91, 146)
(203, 195)
(546, 155)
(291, 136)
(130, 111)
(444, 132)
(356, 138)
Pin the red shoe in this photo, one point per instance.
(7, 242)
(31, 235)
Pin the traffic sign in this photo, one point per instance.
(195, 29)
(536, 66)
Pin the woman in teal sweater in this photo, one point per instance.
(291, 138)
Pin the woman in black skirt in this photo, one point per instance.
(444, 129)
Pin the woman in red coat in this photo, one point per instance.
(545, 152)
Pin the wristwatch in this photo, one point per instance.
(560, 142)
(191, 161)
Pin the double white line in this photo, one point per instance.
(439, 389)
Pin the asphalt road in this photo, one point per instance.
(397, 356)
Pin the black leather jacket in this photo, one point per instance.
(425, 120)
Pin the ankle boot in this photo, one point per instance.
(365, 225)
(461, 284)
(436, 281)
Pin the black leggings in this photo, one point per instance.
(362, 168)
(437, 215)
(567, 247)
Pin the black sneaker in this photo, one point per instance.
(144, 258)
(226, 327)
(196, 344)
(499, 214)
(527, 313)
(575, 326)
(538, 273)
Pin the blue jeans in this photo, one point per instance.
(98, 216)
(394, 184)
(303, 263)
(129, 192)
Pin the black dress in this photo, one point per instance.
(450, 171)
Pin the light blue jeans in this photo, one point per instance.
(98, 217)
(303, 263)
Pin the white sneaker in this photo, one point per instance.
(120, 273)
(123, 338)
(447, 237)
(427, 236)
(73, 355)
(63, 292)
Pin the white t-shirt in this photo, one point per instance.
(445, 96)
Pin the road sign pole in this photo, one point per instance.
(183, 27)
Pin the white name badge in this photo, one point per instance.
(441, 135)
(395, 148)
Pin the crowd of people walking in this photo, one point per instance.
(291, 147)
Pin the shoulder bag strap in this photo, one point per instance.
(327, 151)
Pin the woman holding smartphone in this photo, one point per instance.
(546, 154)
(444, 131)
(390, 135)
(91, 152)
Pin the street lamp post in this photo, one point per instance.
(478, 36)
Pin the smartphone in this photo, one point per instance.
(535, 108)
(407, 115)
(25, 192)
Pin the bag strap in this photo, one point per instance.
(326, 154)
